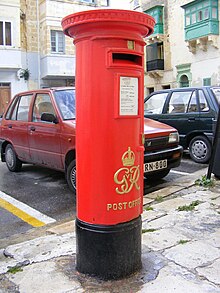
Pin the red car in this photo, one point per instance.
(38, 127)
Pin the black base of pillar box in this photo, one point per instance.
(216, 165)
(108, 252)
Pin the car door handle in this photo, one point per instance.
(191, 119)
(9, 126)
(32, 128)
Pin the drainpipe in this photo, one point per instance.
(38, 45)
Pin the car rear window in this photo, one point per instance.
(19, 108)
(65, 100)
(23, 107)
(179, 101)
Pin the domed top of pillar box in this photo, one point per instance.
(108, 22)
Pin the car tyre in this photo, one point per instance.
(200, 149)
(158, 175)
(11, 159)
(71, 176)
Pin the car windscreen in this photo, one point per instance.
(65, 100)
(216, 91)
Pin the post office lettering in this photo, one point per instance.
(119, 206)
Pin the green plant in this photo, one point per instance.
(183, 241)
(15, 270)
(25, 74)
(204, 182)
(148, 208)
(159, 198)
(148, 230)
(189, 207)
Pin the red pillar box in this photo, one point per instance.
(109, 129)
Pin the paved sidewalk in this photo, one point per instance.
(180, 249)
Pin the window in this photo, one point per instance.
(203, 105)
(57, 42)
(155, 57)
(5, 33)
(3, 84)
(154, 105)
(11, 109)
(201, 18)
(166, 86)
(203, 14)
(150, 90)
(206, 81)
(182, 102)
(23, 108)
(214, 13)
(206, 13)
(187, 20)
(193, 106)
(155, 51)
(13, 115)
(184, 81)
(193, 18)
(104, 3)
(216, 92)
(179, 102)
(65, 100)
(42, 104)
(19, 108)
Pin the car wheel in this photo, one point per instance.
(200, 149)
(71, 176)
(11, 159)
(158, 175)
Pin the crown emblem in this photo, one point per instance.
(128, 158)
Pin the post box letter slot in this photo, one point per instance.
(124, 58)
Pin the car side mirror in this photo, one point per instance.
(49, 117)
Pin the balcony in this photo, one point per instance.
(157, 64)
(201, 24)
(57, 66)
(157, 13)
(201, 29)
(10, 58)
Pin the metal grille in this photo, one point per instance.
(156, 143)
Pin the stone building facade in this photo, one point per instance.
(184, 48)
(34, 52)
(10, 50)
(182, 51)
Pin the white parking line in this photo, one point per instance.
(181, 173)
(23, 211)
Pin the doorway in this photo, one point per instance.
(5, 96)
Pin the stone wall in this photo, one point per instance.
(202, 56)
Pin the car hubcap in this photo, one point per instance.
(9, 158)
(73, 177)
(199, 149)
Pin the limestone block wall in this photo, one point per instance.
(202, 58)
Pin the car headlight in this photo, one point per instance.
(173, 137)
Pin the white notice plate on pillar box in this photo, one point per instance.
(128, 95)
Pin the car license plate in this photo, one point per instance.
(154, 166)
